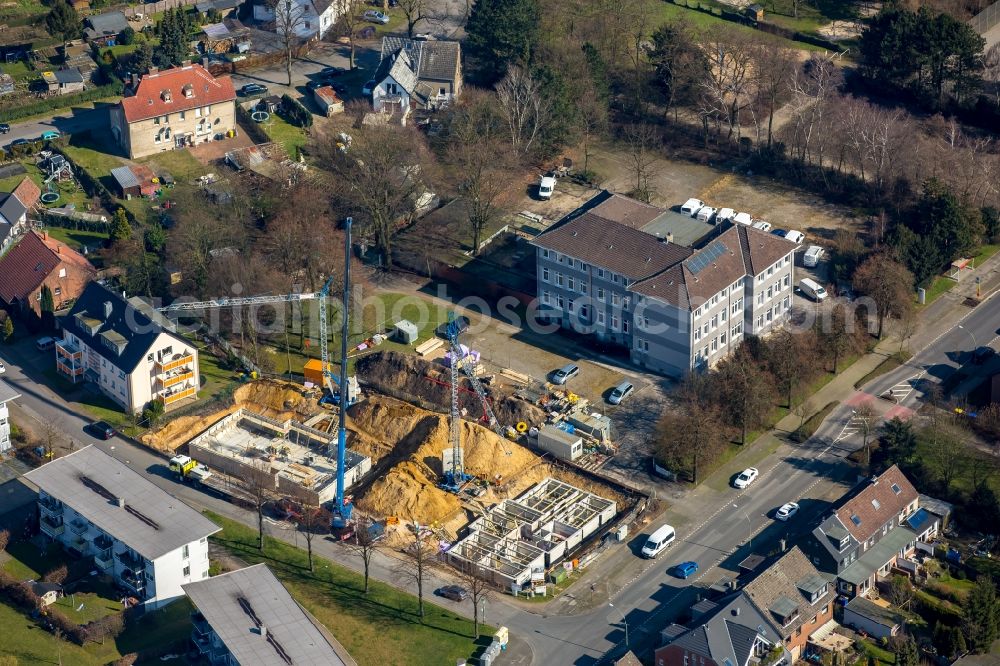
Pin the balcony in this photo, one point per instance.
(68, 350)
(72, 371)
(52, 527)
(178, 395)
(50, 506)
(173, 363)
(78, 526)
(131, 560)
(175, 378)
(200, 624)
(104, 559)
(134, 583)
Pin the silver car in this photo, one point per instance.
(565, 373)
(375, 16)
(621, 392)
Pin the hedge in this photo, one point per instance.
(297, 114)
(76, 225)
(113, 89)
(252, 128)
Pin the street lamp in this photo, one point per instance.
(749, 528)
(971, 335)
(624, 621)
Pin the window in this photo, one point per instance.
(876, 504)
(156, 120)
(614, 299)
(57, 291)
(545, 253)
(737, 330)
(722, 314)
(600, 272)
(546, 298)
(697, 313)
(715, 344)
(770, 292)
(185, 552)
(187, 571)
(545, 275)
(614, 278)
(704, 329)
(641, 344)
(768, 313)
(697, 334)
(760, 321)
(760, 298)
(600, 317)
(625, 302)
(715, 321)
(856, 520)
(391, 89)
(559, 258)
(585, 311)
(571, 305)
(570, 283)
(787, 281)
(722, 338)
(182, 115)
(559, 301)
(62, 272)
(770, 271)
(624, 325)
(896, 489)
(583, 287)
(614, 322)
(559, 279)
(197, 112)
(156, 138)
(787, 302)
(600, 294)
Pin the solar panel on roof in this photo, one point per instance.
(700, 261)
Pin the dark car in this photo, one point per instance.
(332, 72)
(313, 85)
(982, 355)
(251, 89)
(19, 142)
(102, 429)
(453, 592)
(4, 128)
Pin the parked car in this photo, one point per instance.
(4, 128)
(50, 135)
(565, 373)
(812, 289)
(453, 592)
(45, 344)
(18, 142)
(691, 207)
(331, 72)
(982, 355)
(621, 392)
(686, 569)
(3, 368)
(787, 510)
(658, 540)
(546, 186)
(762, 225)
(795, 236)
(252, 89)
(375, 16)
(746, 477)
(812, 256)
(101, 429)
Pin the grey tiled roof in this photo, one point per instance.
(439, 60)
(109, 23)
(876, 556)
(260, 623)
(11, 209)
(728, 633)
(7, 392)
(121, 502)
(778, 590)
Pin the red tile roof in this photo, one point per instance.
(877, 503)
(25, 267)
(27, 192)
(150, 100)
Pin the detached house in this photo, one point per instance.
(40, 261)
(246, 617)
(629, 274)
(310, 19)
(415, 74)
(104, 29)
(876, 524)
(130, 351)
(176, 108)
(775, 612)
(148, 541)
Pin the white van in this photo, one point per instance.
(762, 225)
(795, 236)
(658, 541)
(546, 186)
(692, 206)
(812, 256)
(724, 215)
(812, 289)
(706, 214)
(743, 218)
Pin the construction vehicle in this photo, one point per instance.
(342, 507)
(188, 469)
(455, 476)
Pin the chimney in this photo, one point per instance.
(45, 235)
(782, 545)
(736, 611)
(263, 631)
(107, 309)
(121, 502)
(670, 237)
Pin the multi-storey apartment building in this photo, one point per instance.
(247, 618)
(149, 542)
(7, 393)
(175, 108)
(677, 309)
(128, 350)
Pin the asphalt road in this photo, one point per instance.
(66, 122)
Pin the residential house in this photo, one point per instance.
(416, 74)
(878, 620)
(128, 350)
(147, 540)
(328, 101)
(630, 274)
(775, 613)
(13, 218)
(103, 29)
(310, 19)
(248, 617)
(7, 393)
(870, 529)
(176, 108)
(64, 81)
(28, 193)
(37, 262)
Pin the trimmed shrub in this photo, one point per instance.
(297, 114)
(253, 130)
(112, 89)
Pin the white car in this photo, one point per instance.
(3, 368)
(746, 477)
(787, 510)
(546, 186)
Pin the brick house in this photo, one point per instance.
(175, 108)
(38, 261)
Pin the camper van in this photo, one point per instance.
(706, 214)
(658, 541)
(692, 206)
(724, 215)
(812, 256)
(812, 289)
(746, 219)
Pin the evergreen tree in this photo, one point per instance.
(981, 621)
(47, 302)
(501, 33)
(142, 58)
(63, 22)
(905, 649)
(120, 227)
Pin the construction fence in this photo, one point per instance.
(986, 19)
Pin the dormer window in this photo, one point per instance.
(166, 96)
(896, 489)
(785, 610)
(188, 90)
(875, 503)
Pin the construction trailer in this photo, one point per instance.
(534, 532)
(290, 456)
(592, 424)
(561, 441)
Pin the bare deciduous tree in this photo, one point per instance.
(692, 433)
(480, 591)
(889, 284)
(813, 91)
(312, 520)
(641, 140)
(415, 11)
(526, 111)
(415, 565)
(365, 543)
(258, 489)
(348, 20)
(726, 88)
(747, 389)
(289, 19)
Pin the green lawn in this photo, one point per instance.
(179, 163)
(883, 656)
(942, 284)
(84, 607)
(92, 155)
(28, 563)
(69, 191)
(283, 132)
(667, 11)
(20, 70)
(76, 238)
(217, 380)
(379, 628)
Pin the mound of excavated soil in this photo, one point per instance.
(180, 430)
(416, 441)
(411, 377)
(278, 400)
